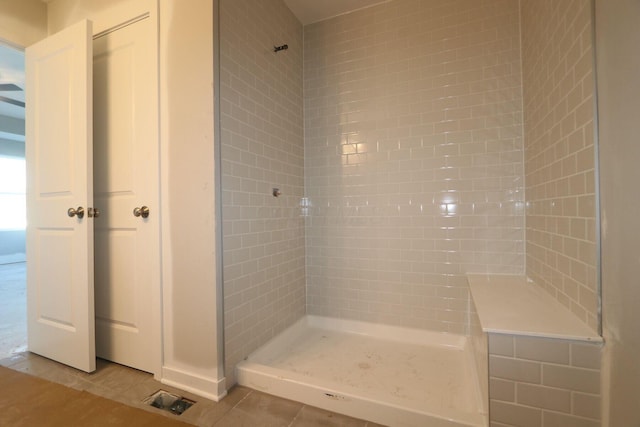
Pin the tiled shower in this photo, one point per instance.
(557, 58)
(262, 149)
(413, 159)
(412, 142)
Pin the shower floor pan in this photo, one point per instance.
(388, 375)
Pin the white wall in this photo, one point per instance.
(23, 22)
(190, 313)
(618, 67)
(192, 349)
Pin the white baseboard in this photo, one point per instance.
(196, 384)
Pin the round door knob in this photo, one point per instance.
(142, 211)
(76, 212)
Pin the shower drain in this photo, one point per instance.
(169, 402)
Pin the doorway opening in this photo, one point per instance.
(13, 329)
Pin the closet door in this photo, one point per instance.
(126, 186)
(60, 293)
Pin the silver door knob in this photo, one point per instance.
(76, 212)
(143, 212)
(94, 212)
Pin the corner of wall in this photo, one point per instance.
(191, 323)
(201, 385)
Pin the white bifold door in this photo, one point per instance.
(92, 202)
(60, 294)
(126, 185)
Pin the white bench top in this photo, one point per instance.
(510, 305)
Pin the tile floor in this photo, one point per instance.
(242, 407)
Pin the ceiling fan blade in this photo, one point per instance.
(9, 87)
(12, 101)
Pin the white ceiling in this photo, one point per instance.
(310, 11)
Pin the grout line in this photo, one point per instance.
(233, 407)
(243, 399)
(296, 416)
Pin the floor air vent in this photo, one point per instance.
(169, 402)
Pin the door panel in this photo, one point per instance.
(60, 294)
(125, 177)
(113, 69)
(55, 303)
(117, 299)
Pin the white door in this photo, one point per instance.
(125, 178)
(60, 294)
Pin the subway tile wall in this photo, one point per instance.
(558, 86)
(540, 382)
(262, 149)
(413, 159)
